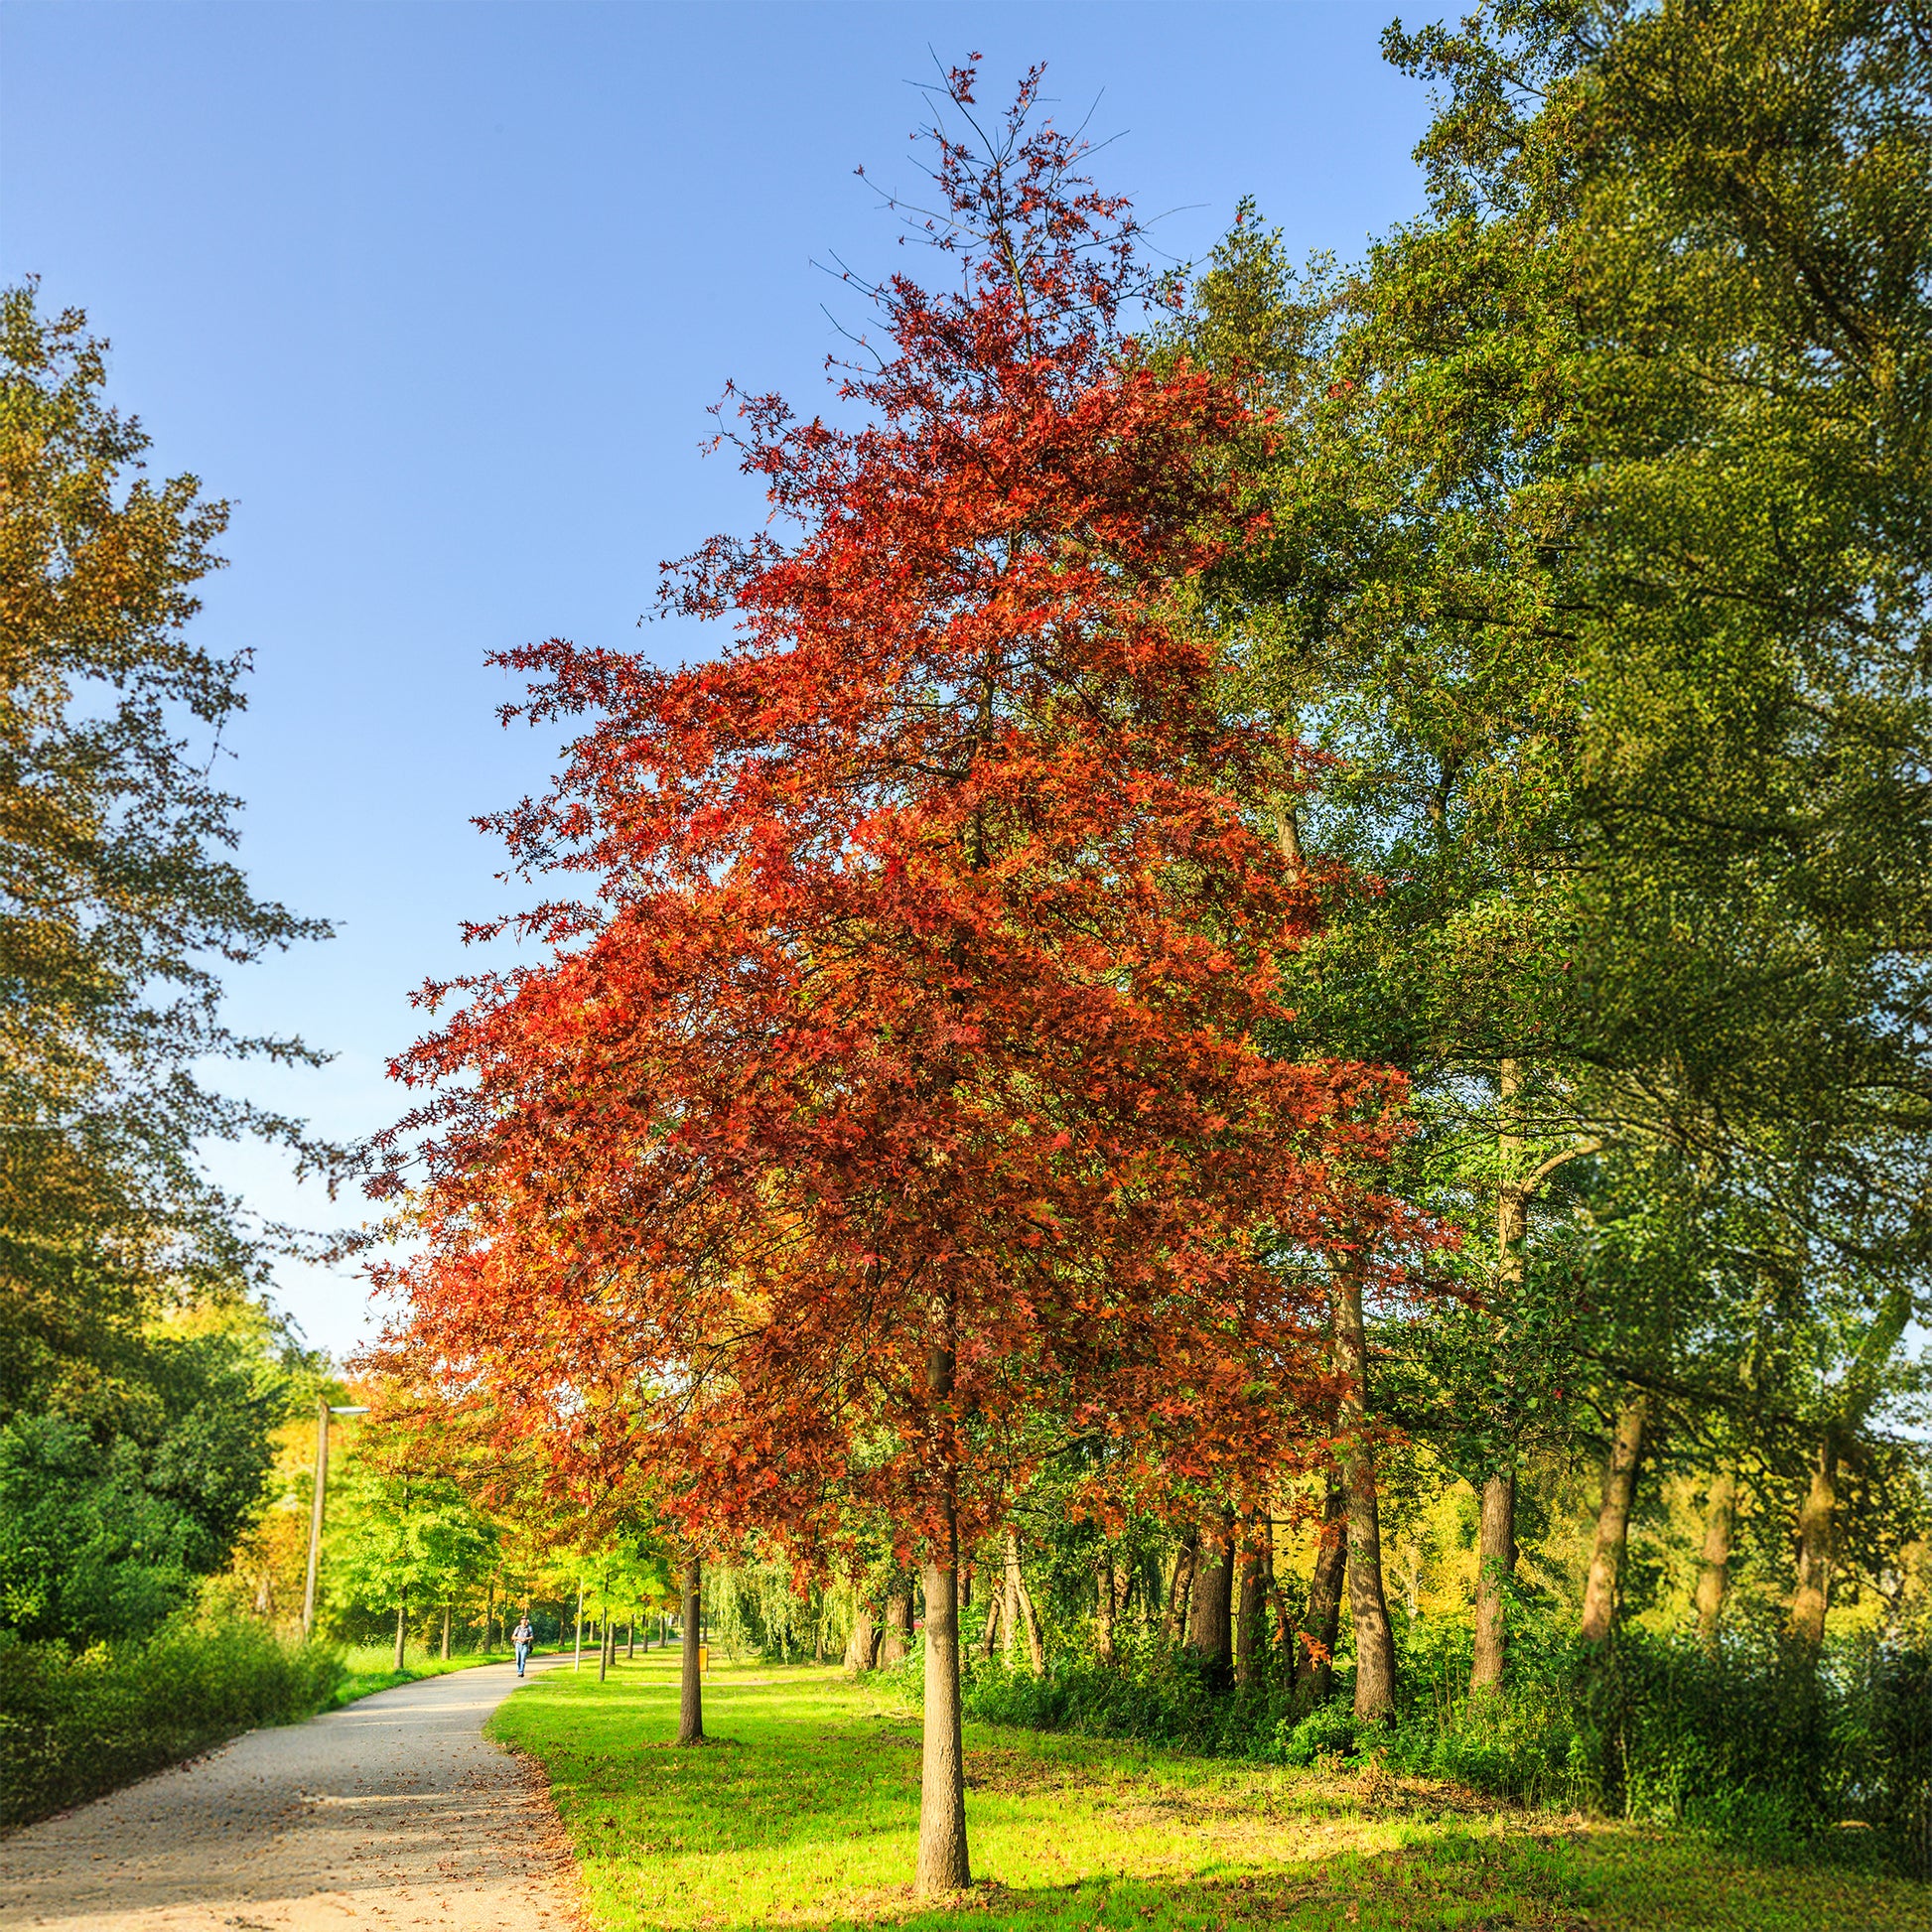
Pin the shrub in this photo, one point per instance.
(75, 1725)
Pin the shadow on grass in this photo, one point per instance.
(802, 1812)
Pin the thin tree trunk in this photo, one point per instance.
(1316, 1674)
(1020, 1607)
(1210, 1635)
(447, 1607)
(1613, 1521)
(990, 1636)
(1496, 1529)
(1257, 1565)
(490, 1612)
(1103, 1613)
(577, 1661)
(897, 1644)
(1495, 1563)
(1815, 1529)
(1374, 1636)
(402, 1616)
(1180, 1588)
(690, 1703)
(943, 1861)
(1714, 1566)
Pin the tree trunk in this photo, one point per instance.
(1495, 1565)
(1257, 1565)
(1374, 1636)
(1815, 1528)
(990, 1636)
(1020, 1607)
(1180, 1588)
(1496, 1531)
(1613, 1521)
(402, 1624)
(1323, 1624)
(490, 1612)
(942, 1862)
(863, 1643)
(690, 1703)
(1103, 1614)
(1713, 1566)
(1210, 1633)
(448, 1607)
(897, 1644)
(577, 1661)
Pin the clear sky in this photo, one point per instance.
(439, 295)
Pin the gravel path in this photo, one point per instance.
(395, 1813)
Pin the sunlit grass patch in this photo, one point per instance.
(802, 1811)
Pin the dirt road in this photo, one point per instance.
(393, 1813)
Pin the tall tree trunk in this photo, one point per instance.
(1815, 1536)
(1103, 1613)
(1316, 1675)
(490, 1612)
(896, 1643)
(1613, 1520)
(943, 1861)
(447, 1609)
(1367, 1606)
(1495, 1565)
(1497, 1527)
(1713, 1566)
(1210, 1633)
(1020, 1607)
(990, 1636)
(1257, 1565)
(402, 1625)
(1180, 1588)
(630, 1640)
(690, 1701)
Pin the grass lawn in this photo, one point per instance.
(802, 1809)
(372, 1668)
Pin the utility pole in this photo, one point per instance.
(324, 1411)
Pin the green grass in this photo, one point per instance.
(802, 1809)
(371, 1667)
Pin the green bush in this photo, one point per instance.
(75, 1725)
(1754, 1744)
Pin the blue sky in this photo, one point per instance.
(439, 296)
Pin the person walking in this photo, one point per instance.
(523, 1637)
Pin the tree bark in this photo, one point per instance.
(1815, 1528)
(1322, 1624)
(1257, 1565)
(863, 1644)
(943, 1861)
(1613, 1521)
(1713, 1566)
(1210, 1633)
(447, 1607)
(1495, 1563)
(896, 1643)
(1103, 1615)
(1020, 1607)
(990, 1636)
(402, 1616)
(1180, 1590)
(1367, 1606)
(630, 1640)
(690, 1701)
(1496, 1531)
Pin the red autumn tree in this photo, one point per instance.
(893, 1084)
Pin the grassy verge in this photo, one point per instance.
(802, 1811)
(370, 1667)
